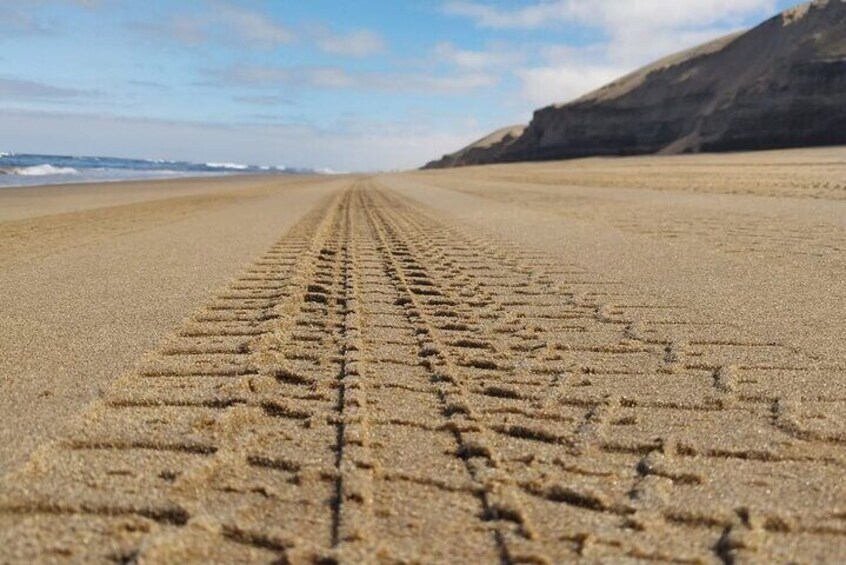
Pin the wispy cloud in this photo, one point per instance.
(237, 26)
(268, 101)
(490, 16)
(25, 90)
(609, 14)
(149, 84)
(222, 23)
(19, 17)
(252, 27)
(297, 77)
(631, 34)
(359, 43)
(497, 57)
(27, 19)
(83, 3)
(19, 20)
(338, 78)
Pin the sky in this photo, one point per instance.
(348, 85)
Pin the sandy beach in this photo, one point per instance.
(94, 275)
(602, 360)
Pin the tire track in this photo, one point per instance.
(352, 529)
(418, 293)
(386, 386)
(183, 455)
(422, 493)
(645, 384)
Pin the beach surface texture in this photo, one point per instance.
(603, 360)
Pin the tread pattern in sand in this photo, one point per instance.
(736, 233)
(803, 173)
(384, 385)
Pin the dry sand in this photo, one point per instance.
(87, 289)
(598, 361)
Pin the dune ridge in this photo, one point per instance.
(781, 84)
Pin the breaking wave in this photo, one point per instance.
(40, 171)
(232, 166)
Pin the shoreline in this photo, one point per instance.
(17, 202)
(163, 178)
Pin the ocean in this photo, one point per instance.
(30, 170)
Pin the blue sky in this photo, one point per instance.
(364, 85)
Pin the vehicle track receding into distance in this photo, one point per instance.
(387, 385)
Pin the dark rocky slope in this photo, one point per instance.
(487, 150)
(781, 84)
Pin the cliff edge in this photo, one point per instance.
(781, 84)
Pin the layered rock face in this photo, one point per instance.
(781, 84)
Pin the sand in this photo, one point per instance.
(87, 289)
(483, 365)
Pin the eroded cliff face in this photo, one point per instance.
(806, 108)
(781, 84)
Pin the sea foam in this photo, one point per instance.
(41, 171)
(233, 166)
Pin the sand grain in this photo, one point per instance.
(458, 367)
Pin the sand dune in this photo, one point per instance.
(583, 362)
(777, 85)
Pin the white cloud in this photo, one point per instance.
(25, 90)
(295, 77)
(494, 58)
(269, 101)
(631, 34)
(360, 43)
(543, 86)
(252, 27)
(222, 23)
(609, 14)
(21, 18)
(337, 78)
(323, 77)
(493, 17)
(457, 84)
(226, 23)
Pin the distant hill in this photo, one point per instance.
(487, 150)
(781, 84)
